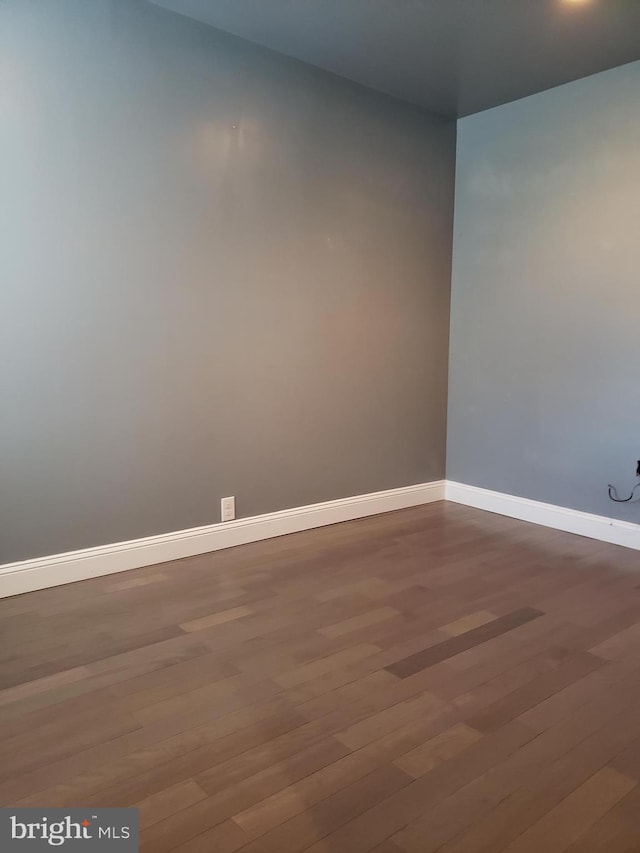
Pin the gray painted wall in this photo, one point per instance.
(223, 273)
(544, 395)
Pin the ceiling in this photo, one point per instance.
(452, 57)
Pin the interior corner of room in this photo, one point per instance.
(319, 426)
(228, 272)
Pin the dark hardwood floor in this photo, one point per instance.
(433, 679)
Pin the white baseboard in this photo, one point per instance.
(29, 575)
(561, 518)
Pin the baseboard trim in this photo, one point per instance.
(44, 572)
(561, 518)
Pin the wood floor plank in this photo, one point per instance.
(616, 832)
(501, 685)
(619, 645)
(456, 645)
(165, 761)
(225, 802)
(13, 673)
(581, 809)
(227, 837)
(362, 621)
(382, 821)
(375, 726)
(467, 623)
(491, 811)
(278, 808)
(319, 820)
(216, 619)
(535, 691)
(159, 806)
(135, 582)
(432, 679)
(606, 681)
(437, 749)
(43, 685)
(324, 665)
(59, 739)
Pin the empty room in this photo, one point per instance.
(320, 426)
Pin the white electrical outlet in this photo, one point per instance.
(228, 509)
